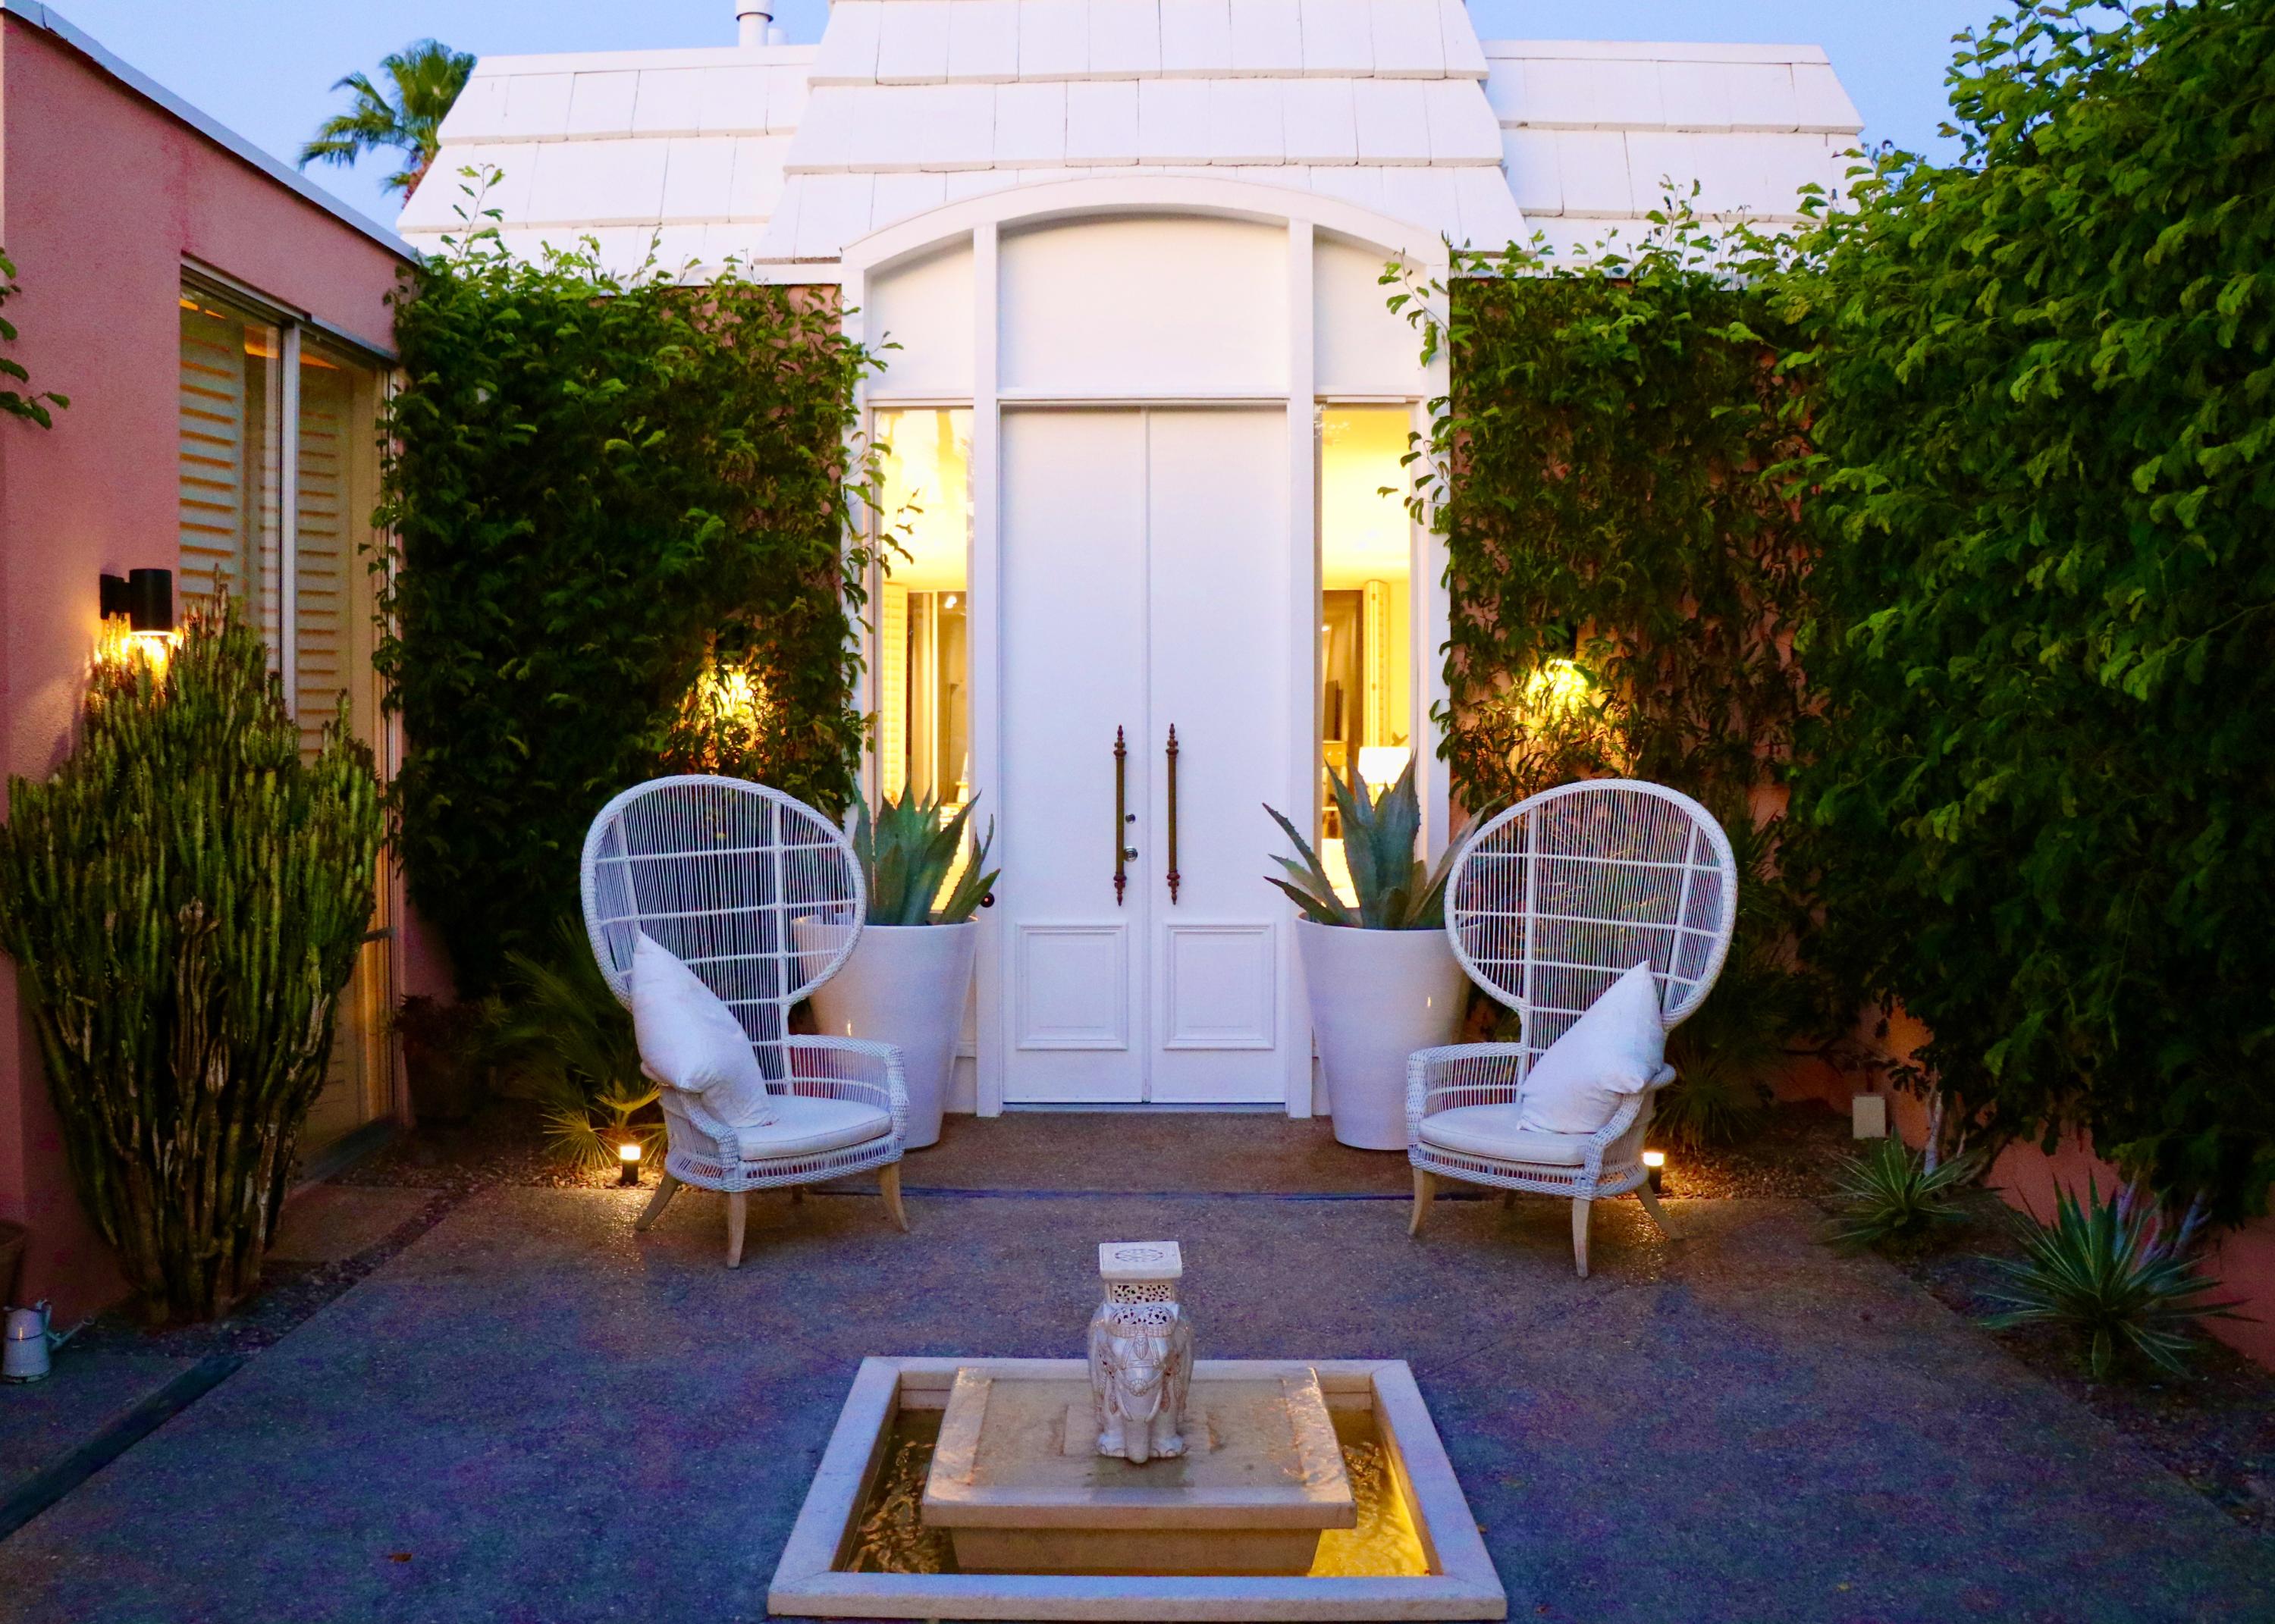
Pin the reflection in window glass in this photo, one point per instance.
(1365, 708)
(923, 702)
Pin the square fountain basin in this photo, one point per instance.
(1018, 1483)
(813, 1577)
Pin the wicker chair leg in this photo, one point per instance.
(737, 1209)
(1658, 1213)
(664, 1192)
(1580, 1233)
(1426, 1190)
(888, 1185)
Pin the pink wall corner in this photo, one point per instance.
(104, 197)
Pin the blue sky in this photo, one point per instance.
(265, 67)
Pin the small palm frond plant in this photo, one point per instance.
(562, 1031)
(1890, 1197)
(2115, 1274)
(906, 856)
(1397, 891)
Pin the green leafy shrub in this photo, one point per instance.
(1891, 1197)
(620, 509)
(906, 856)
(2037, 795)
(1396, 890)
(1627, 568)
(185, 900)
(2114, 1275)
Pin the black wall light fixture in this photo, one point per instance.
(145, 597)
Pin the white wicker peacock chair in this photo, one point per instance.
(761, 896)
(1547, 905)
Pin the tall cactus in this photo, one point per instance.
(183, 901)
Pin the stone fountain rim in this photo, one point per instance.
(807, 1584)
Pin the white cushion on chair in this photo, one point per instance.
(805, 1125)
(1613, 1050)
(689, 1039)
(1496, 1132)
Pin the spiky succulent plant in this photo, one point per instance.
(906, 855)
(1397, 891)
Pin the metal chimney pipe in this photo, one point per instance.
(751, 19)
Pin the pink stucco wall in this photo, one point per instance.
(103, 197)
(2242, 1259)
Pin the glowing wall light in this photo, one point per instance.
(137, 615)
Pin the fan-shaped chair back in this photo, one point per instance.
(756, 892)
(1556, 898)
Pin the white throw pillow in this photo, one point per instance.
(1614, 1049)
(689, 1039)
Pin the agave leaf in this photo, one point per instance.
(1312, 909)
(888, 887)
(974, 884)
(1362, 847)
(1314, 891)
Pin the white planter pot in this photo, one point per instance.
(1376, 996)
(906, 984)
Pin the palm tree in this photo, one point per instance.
(427, 77)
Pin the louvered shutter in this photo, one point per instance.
(323, 552)
(227, 487)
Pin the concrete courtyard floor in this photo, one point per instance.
(531, 1412)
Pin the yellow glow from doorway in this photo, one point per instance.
(1363, 536)
(927, 462)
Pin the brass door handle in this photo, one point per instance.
(1122, 853)
(1173, 814)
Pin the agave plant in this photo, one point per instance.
(1891, 1197)
(1397, 891)
(2115, 1273)
(907, 854)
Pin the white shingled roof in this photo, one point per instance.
(782, 155)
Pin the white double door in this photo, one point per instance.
(1146, 562)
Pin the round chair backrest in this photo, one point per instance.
(754, 891)
(1559, 896)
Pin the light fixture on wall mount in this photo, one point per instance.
(144, 601)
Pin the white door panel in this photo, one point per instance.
(1218, 573)
(1145, 575)
(1074, 670)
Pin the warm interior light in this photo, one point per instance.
(629, 1151)
(1654, 1158)
(1383, 764)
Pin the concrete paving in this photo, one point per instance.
(533, 1413)
(330, 1223)
(42, 1422)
